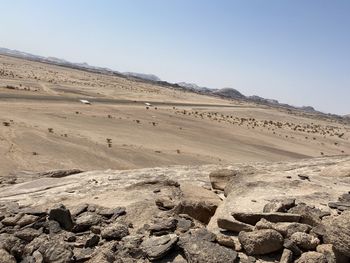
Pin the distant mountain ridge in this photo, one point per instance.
(84, 65)
(228, 93)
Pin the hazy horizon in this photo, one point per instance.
(292, 51)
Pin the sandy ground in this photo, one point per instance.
(52, 134)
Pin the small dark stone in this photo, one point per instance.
(92, 241)
(62, 215)
(292, 247)
(70, 237)
(304, 177)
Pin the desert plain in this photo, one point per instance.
(149, 173)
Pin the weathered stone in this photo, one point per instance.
(285, 228)
(157, 247)
(12, 220)
(130, 246)
(8, 241)
(54, 227)
(197, 202)
(35, 211)
(183, 224)
(337, 232)
(59, 173)
(70, 237)
(292, 247)
(82, 254)
(197, 250)
(6, 257)
(261, 242)
(312, 257)
(115, 232)
(243, 258)
(92, 241)
(165, 203)
(202, 234)
(219, 178)
(201, 210)
(331, 254)
(226, 241)
(279, 205)
(56, 251)
(112, 212)
(26, 220)
(341, 206)
(62, 215)
(38, 257)
(35, 244)
(162, 227)
(253, 218)
(27, 234)
(344, 197)
(77, 210)
(287, 256)
(95, 229)
(85, 220)
(305, 241)
(233, 225)
(105, 254)
(309, 215)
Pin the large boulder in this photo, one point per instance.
(200, 210)
(337, 232)
(261, 242)
(197, 202)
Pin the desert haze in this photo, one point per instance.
(101, 167)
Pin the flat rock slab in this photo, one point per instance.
(253, 218)
(234, 225)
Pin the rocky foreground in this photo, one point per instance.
(264, 212)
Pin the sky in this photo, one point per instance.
(295, 51)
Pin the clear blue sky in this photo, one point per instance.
(296, 51)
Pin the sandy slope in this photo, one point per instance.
(47, 134)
